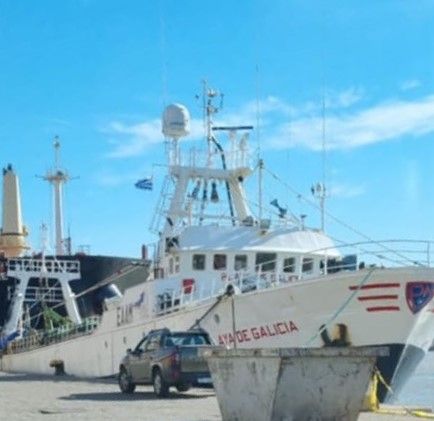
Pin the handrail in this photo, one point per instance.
(259, 279)
(39, 339)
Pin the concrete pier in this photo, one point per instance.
(31, 397)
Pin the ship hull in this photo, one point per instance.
(384, 307)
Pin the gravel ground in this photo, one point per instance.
(31, 397)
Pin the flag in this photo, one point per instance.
(144, 184)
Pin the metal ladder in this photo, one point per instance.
(161, 205)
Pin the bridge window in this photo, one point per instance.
(198, 262)
(289, 265)
(240, 262)
(266, 262)
(220, 261)
(307, 265)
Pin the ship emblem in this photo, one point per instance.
(419, 294)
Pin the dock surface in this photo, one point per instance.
(33, 397)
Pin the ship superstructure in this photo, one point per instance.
(250, 281)
(39, 291)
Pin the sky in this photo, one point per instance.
(355, 77)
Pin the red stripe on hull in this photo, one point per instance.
(378, 297)
(371, 286)
(383, 308)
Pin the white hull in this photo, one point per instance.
(285, 316)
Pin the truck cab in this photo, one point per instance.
(164, 359)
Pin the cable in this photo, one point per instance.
(337, 220)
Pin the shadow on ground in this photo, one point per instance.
(17, 377)
(138, 396)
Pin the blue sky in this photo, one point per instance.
(99, 73)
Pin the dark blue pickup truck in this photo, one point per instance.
(164, 359)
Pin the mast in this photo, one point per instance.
(58, 177)
(260, 186)
(319, 189)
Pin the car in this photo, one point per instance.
(165, 359)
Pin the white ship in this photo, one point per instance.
(249, 281)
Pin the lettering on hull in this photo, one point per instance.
(125, 313)
(258, 332)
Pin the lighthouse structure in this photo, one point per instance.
(13, 233)
(58, 177)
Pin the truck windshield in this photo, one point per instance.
(182, 339)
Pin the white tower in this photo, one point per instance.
(13, 232)
(58, 177)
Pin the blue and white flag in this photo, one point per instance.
(144, 184)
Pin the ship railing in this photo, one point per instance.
(38, 339)
(43, 265)
(235, 157)
(314, 264)
(49, 295)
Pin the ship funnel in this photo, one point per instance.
(13, 233)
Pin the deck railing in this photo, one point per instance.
(362, 255)
(39, 339)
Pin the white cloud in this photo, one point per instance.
(135, 139)
(132, 140)
(284, 126)
(410, 84)
(343, 99)
(346, 191)
(379, 123)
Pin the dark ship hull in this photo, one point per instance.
(93, 285)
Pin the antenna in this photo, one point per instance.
(260, 186)
(210, 109)
(318, 189)
(319, 192)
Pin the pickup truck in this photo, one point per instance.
(164, 359)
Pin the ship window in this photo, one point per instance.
(240, 262)
(266, 262)
(307, 265)
(171, 266)
(198, 262)
(176, 264)
(219, 261)
(289, 265)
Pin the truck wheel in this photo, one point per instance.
(182, 387)
(125, 383)
(161, 388)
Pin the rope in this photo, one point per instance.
(341, 308)
(372, 404)
(218, 301)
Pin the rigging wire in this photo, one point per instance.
(163, 50)
(334, 218)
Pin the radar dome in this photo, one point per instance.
(176, 121)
